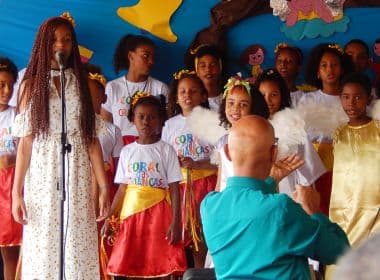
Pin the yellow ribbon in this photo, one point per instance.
(196, 174)
(139, 198)
(189, 215)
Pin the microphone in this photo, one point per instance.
(60, 58)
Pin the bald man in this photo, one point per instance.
(253, 232)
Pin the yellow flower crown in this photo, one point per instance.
(178, 75)
(234, 82)
(66, 15)
(280, 46)
(98, 77)
(337, 47)
(137, 96)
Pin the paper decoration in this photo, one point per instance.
(152, 16)
(85, 54)
(310, 18)
(253, 55)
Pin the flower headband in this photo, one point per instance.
(98, 77)
(137, 96)
(337, 47)
(66, 15)
(280, 46)
(178, 75)
(234, 82)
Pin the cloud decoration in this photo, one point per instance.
(314, 28)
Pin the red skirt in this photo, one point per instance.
(112, 191)
(200, 188)
(10, 230)
(140, 248)
(323, 185)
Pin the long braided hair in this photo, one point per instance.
(37, 77)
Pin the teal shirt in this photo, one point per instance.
(254, 233)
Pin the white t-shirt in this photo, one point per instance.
(177, 134)
(111, 141)
(306, 175)
(322, 99)
(8, 143)
(119, 93)
(295, 96)
(13, 101)
(154, 165)
(215, 102)
(224, 163)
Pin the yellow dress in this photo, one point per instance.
(355, 197)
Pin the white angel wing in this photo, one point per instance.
(204, 124)
(289, 128)
(375, 110)
(320, 119)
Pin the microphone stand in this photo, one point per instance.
(65, 149)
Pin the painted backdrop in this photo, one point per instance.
(99, 28)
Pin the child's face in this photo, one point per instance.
(238, 104)
(189, 95)
(272, 96)
(63, 42)
(147, 121)
(330, 69)
(6, 87)
(376, 49)
(358, 55)
(256, 58)
(354, 101)
(141, 59)
(208, 69)
(98, 96)
(287, 64)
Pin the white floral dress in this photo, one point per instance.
(40, 249)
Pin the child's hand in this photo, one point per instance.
(283, 167)
(104, 203)
(105, 228)
(173, 235)
(187, 162)
(19, 210)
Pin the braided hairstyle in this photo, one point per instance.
(37, 78)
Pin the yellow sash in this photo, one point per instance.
(139, 198)
(325, 152)
(196, 174)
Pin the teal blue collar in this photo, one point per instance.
(267, 186)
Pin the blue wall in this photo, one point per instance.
(99, 29)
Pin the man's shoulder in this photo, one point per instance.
(210, 197)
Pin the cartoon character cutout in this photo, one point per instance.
(253, 55)
(307, 8)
